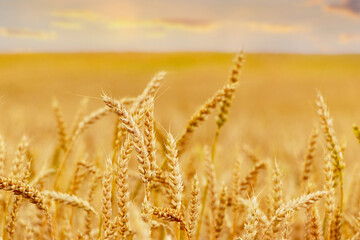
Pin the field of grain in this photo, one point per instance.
(104, 176)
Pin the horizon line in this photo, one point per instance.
(173, 52)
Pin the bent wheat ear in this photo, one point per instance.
(170, 214)
(26, 191)
(69, 199)
(251, 178)
(88, 120)
(202, 113)
(293, 205)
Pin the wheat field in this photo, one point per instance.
(179, 146)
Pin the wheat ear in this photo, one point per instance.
(252, 221)
(293, 205)
(234, 80)
(332, 143)
(21, 171)
(220, 214)
(122, 192)
(138, 140)
(69, 199)
(277, 195)
(149, 91)
(175, 186)
(329, 187)
(106, 201)
(61, 125)
(26, 191)
(356, 131)
(250, 180)
(202, 113)
(314, 230)
(194, 206)
(309, 157)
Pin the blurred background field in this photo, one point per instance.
(273, 112)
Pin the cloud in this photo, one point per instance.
(348, 38)
(313, 2)
(67, 25)
(168, 23)
(76, 14)
(347, 7)
(187, 23)
(275, 28)
(27, 33)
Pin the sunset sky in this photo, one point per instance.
(300, 26)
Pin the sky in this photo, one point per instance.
(280, 26)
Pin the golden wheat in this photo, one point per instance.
(93, 198)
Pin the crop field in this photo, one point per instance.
(183, 145)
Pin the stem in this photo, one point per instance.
(5, 216)
(61, 167)
(202, 212)
(341, 190)
(177, 231)
(213, 149)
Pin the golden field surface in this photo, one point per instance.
(273, 114)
